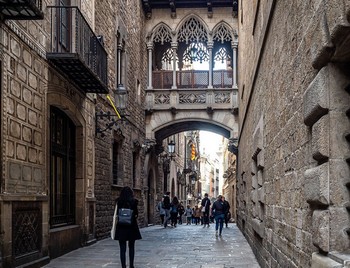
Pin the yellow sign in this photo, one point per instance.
(115, 108)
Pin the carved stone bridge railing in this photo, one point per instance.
(192, 99)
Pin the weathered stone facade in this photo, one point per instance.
(30, 88)
(293, 160)
(124, 19)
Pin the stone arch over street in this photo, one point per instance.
(165, 124)
(188, 125)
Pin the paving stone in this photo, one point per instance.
(181, 247)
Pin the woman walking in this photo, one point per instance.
(218, 210)
(130, 232)
(174, 206)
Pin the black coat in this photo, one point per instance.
(128, 232)
(206, 203)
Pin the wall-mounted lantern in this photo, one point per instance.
(171, 149)
(121, 97)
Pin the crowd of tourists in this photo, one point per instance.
(172, 212)
(125, 228)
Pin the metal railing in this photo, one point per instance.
(191, 79)
(21, 10)
(162, 79)
(222, 79)
(71, 34)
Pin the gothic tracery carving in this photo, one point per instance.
(162, 35)
(162, 98)
(192, 98)
(222, 34)
(222, 97)
(196, 52)
(222, 55)
(192, 31)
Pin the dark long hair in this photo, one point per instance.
(126, 197)
(175, 200)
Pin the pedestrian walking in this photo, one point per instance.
(181, 211)
(174, 211)
(161, 211)
(193, 215)
(166, 207)
(130, 233)
(205, 209)
(197, 215)
(227, 211)
(219, 214)
(188, 214)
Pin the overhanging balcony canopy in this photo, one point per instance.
(148, 5)
(76, 51)
(21, 9)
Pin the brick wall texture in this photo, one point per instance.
(293, 166)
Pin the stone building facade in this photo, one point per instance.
(293, 159)
(60, 172)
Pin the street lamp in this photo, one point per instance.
(121, 98)
(171, 149)
(233, 146)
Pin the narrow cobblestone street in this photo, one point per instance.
(181, 247)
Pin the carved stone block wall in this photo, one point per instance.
(24, 126)
(326, 184)
(287, 77)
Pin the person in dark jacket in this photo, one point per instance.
(227, 211)
(218, 210)
(174, 210)
(205, 209)
(129, 233)
(181, 212)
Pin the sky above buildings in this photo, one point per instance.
(209, 143)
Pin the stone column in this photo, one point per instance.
(174, 48)
(234, 64)
(210, 49)
(150, 50)
(119, 62)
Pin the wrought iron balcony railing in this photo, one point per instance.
(192, 79)
(21, 9)
(76, 50)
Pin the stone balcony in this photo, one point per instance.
(192, 91)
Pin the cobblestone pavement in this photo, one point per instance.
(185, 246)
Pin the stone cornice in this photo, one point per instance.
(26, 38)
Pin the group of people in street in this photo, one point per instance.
(203, 214)
(169, 210)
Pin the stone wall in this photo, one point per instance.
(24, 75)
(127, 19)
(293, 166)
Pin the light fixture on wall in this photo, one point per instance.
(233, 146)
(121, 97)
(171, 149)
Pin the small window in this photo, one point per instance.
(115, 164)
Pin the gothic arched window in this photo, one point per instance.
(162, 35)
(192, 31)
(222, 34)
(196, 52)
